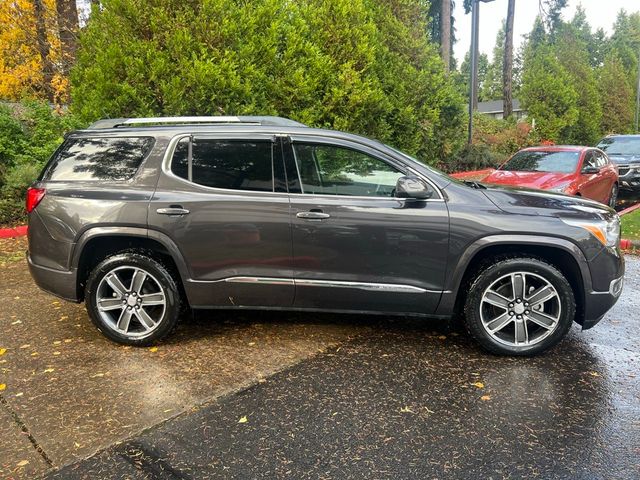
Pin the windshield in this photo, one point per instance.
(543, 161)
(620, 145)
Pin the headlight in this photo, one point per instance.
(560, 188)
(605, 230)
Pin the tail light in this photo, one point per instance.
(34, 197)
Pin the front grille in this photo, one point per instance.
(623, 170)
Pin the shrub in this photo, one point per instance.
(29, 133)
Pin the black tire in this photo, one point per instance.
(613, 196)
(159, 274)
(492, 272)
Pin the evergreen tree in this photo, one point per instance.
(358, 65)
(571, 48)
(492, 85)
(548, 94)
(615, 94)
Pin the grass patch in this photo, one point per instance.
(631, 225)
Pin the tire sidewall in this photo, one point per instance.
(167, 283)
(530, 265)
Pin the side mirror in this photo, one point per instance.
(412, 187)
(590, 170)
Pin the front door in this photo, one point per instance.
(229, 217)
(355, 245)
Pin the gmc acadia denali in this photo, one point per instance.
(142, 218)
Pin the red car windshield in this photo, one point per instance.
(543, 161)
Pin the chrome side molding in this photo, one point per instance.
(376, 287)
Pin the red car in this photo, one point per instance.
(582, 171)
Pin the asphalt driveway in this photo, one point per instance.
(310, 396)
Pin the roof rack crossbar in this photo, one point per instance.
(213, 120)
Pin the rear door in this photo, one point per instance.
(228, 213)
(356, 246)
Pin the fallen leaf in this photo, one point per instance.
(48, 370)
(153, 349)
(3, 386)
(64, 317)
(22, 463)
(56, 353)
(251, 344)
(57, 342)
(68, 340)
(484, 398)
(16, 322)
(594, 374)
(3, 351)
(406, 410)
(478, 384)
(55, 303)
(76, 444)
(243, 419)
(26, 345)
(97, 375)
(35, 354)
(442, 337)
(19, 394)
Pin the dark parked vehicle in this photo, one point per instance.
(624, 151)
(142, 217)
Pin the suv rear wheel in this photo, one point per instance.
(519, 306)
(133, 299)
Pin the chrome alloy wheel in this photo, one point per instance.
(131, 301)
(520, 309)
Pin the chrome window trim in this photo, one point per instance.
(168, 155)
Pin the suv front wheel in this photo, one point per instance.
(132, 299)
(519, 306)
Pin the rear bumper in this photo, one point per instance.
(60, 283)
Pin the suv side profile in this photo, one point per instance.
(142, 218)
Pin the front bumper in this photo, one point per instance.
(629, 177)
(60, 283)
(597, 304)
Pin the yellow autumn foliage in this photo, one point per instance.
(21, 68)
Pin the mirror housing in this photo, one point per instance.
(412, 187)
(590, 170)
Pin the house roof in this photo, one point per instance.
(495, 106)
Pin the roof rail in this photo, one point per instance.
(216, 120)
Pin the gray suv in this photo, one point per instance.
(144, 218)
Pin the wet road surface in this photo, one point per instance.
(322, 396)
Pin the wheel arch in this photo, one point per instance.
(563, 254)
(98, 243)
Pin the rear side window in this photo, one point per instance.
(229, 164)
(110, 159)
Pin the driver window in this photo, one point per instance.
(589, 160)
(332, 170)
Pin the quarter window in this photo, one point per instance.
(332, 170)
(229, 164)
(110, 159)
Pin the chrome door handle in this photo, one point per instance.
(172, 211)
(312, 215)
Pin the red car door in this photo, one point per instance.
(608, 176)
(590, 177)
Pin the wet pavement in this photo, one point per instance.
(311, 396)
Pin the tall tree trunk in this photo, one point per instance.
(507, 64)
(445, 33)
(68, 28)
(43, 48)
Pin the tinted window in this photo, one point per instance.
(620, 145)
(543, 161)
(230, 164)
(331, 170)
(113, 159)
